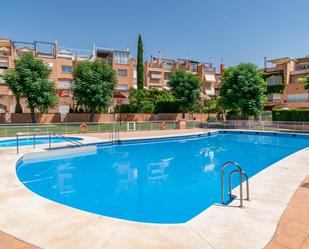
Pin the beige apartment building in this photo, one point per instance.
(282, 76)
(62, 62)
(157, 71)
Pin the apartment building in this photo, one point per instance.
(157, 71)
(282, 76)
(125, 67)
(62, 62)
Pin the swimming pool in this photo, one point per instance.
(158, 181)
(38, 140)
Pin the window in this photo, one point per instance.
(122, 87)
(274, 80)
(122, 72)
(155, 75)
(303, 66)
(66, 69)
(2, 80)
(4, 64)
(298, 97)
(274, 97)
(64, 84)
(121, 57)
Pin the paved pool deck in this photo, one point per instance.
(50, 225)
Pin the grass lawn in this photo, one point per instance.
(11, 130)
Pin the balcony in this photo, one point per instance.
(274, 80)
(210, 91)
(210, 70)
(155, 75)
(5, 53)
(275, 68)
(2, 71)
(274, 97)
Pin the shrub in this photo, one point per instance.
(167, 107)
(290, 114)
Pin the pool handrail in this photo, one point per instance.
(34, 134)
(247, 183)
(241, 174)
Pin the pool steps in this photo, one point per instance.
(59, 154)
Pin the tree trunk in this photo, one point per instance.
(91, 116)
(33, 115)
(18, 107)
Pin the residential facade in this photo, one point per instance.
(63, 60)
(61, 63)
(157, 71)
(125, 68)
(283, 79)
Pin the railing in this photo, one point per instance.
(107, 127)
(49, 134)
(278, 126)
(241, 175)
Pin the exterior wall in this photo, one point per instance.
(126, 117)
(41, 118)
(157, 67)
(292, 70)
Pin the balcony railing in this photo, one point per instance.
(5, 53)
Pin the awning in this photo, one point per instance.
(155, 75)
(119, 95)
(210, 77)
(167, 88)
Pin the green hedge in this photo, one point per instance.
(290, 115)
(275, 89)
(167, 107)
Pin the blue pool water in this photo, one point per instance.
(38, 140)
(157, 181)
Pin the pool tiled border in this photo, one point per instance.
(50, 225)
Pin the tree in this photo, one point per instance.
(185, 86)
(145, 101)
(29, 80)
(94, 84)
(11, 79)
(140, 64)
(305, 81)
(243, 90)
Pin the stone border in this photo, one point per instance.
(50, 225)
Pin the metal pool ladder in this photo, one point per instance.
(114, 136)
(241, 175)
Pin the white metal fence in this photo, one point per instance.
(74, 128)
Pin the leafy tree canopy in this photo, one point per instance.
(94, 84)
(305, 80)
(29, 80)
(185, 86)
(243, 90)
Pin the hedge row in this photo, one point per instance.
(159, 107)
(290, 114)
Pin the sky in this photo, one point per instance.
(233, 30)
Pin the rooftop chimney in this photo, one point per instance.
(221, 67)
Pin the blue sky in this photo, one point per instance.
(236, 30)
